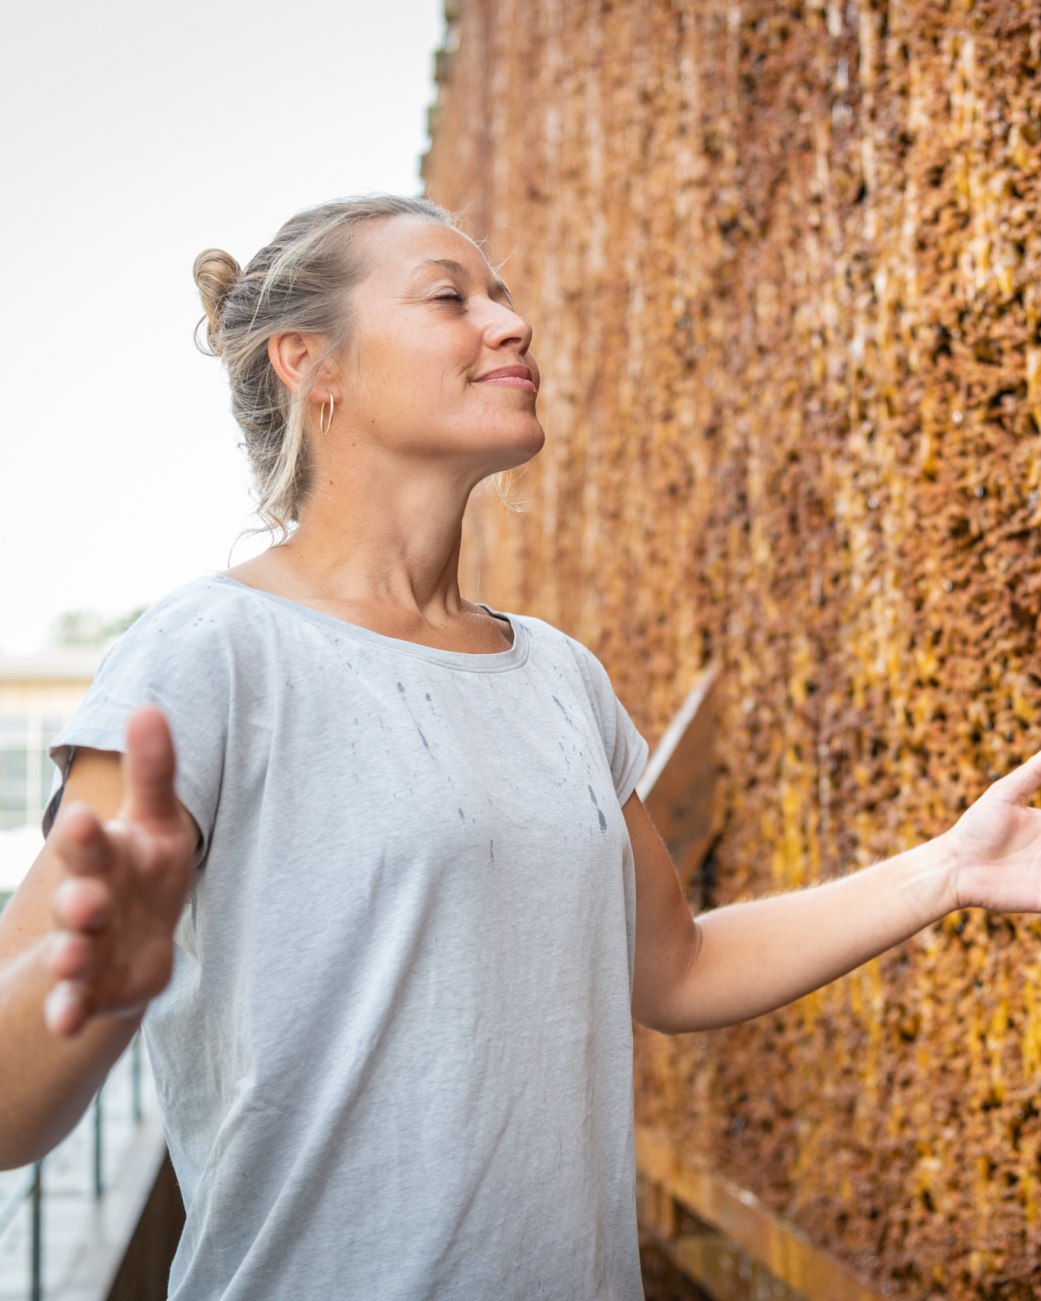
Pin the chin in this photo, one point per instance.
(505, 445)
(528, 448)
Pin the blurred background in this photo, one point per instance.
(140, 134)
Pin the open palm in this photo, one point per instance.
(126, 883)
(996, 845)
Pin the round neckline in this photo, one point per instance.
(475, 661)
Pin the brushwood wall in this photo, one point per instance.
(783, 263)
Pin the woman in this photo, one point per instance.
(386, 925)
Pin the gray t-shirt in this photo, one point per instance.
(395, 1057)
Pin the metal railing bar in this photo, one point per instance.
(36, 1241)
(135, 1076)
(99, 1186)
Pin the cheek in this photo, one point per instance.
(380, 379)
(404, 391)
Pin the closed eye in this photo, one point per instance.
(449, 298)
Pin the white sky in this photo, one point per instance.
(136, 135)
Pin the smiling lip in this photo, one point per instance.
(510, 377)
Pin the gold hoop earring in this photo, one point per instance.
(322, 425)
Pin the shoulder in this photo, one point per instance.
(194, 632)
(192, 654)
(550, 644)
(204, 611)
(537, 630)
(558, 642)
(179, 657)
(205, 600)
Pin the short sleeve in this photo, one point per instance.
(625, 748)
(177, 658)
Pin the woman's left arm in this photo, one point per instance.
(737, 962)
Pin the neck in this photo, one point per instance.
(389, 539)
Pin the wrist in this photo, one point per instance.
(933, 869)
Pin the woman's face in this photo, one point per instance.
(438, 364)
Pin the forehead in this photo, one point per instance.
(406, 246)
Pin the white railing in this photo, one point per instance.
(60, 1229)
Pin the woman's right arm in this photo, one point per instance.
(87, 939)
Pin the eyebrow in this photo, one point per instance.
(457, 268)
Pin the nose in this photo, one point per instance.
(506, 325)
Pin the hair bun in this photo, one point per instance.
(216, 274)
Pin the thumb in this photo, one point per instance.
(149, 765)
(1021, 783)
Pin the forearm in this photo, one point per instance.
(750, 958)
(46, 1082)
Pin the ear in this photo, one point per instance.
(293, 355)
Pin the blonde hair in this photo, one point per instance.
(300, 281)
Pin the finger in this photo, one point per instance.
(148, 767)
(81, 842)
(82, 904)
(1022, 782)
(71, 957)
(66, 1008)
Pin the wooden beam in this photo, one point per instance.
(679, 784)
(741, 1218)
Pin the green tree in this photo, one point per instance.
(89, 628)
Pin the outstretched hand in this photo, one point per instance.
(124, 888)
(996, 846)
